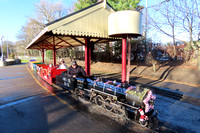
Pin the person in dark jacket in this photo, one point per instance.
(75, 71)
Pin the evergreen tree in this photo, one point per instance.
(119, 5)
(84, 3)
(116, 4)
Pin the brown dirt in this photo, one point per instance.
(185, 73)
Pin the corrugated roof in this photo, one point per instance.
(71, 30)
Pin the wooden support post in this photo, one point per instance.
(198, 59)
(43, 55)
(87, 56)
(54, 51)
(54, 55)
(123, 60)
(129, 61)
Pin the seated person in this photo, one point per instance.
(62, 65)
(75, 70)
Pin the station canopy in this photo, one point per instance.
(71, 30)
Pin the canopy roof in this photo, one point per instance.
(71, 30)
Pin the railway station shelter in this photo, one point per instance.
(82, 28)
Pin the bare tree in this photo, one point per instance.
(45, 12)
(188, 14)
(71, 9)
(166, 21)
(180, 16)
(197, 3)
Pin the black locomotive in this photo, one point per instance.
(134, 102)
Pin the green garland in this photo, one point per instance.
(138, 94)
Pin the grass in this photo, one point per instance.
(24, 60)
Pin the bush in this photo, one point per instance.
(12, 56)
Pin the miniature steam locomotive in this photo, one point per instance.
(134, 102)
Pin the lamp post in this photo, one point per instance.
(2, 58)
(7, 49)
(146, 30)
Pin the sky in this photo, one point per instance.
(14, 14)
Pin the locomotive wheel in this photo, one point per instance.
(108, 104)
(120, 111)
(99, 100)
(144, 123)
(92, 97)
(75, 93)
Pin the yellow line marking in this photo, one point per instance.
(53, 94)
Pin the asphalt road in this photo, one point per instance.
(30, 105)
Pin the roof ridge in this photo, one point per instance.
(74, 13)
